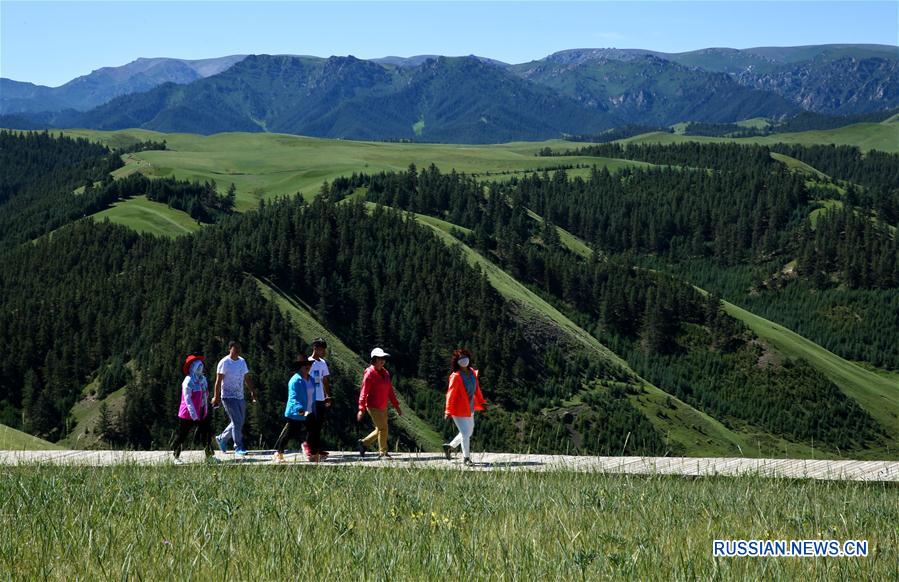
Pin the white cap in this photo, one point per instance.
(379, 353)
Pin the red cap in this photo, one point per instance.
(190, 360)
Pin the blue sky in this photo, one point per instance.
(50, 43)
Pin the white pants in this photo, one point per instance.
(465, 424)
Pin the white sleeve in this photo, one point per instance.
(220, 368)
(188, 401)
(325, 370)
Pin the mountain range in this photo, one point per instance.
(107, 83)
(463, 99)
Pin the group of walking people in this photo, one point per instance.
(309, 400)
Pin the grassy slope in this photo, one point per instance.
(571, 242)
(149, 217)
(798, 166)
(876, 393)
(15, 440)
(754, 123)
(153, 523)
(309, 327)
(698, 433)
(280, 164)
(86, 414)
(867, 136)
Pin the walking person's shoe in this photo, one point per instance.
(178, 461)
(240, 452)
(448, 452)
(313, 458)
(361, 447)
(278, 457)
(323, 454)
(222, 446)
(467, 462)
(306, 450)
(385, 456)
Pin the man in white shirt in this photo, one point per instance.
(231, 375)
(321, 376)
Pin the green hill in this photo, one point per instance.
(15, 440)
(269, 165)
(875, 390)
(696, 432)
(867, 136)
(150, 217)
(876, 393)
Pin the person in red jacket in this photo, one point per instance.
(463, 397)
(377, 389)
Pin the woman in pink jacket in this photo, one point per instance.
(377, 390)
(194, 410)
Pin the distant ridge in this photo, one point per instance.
(106, 83)
(471, 99)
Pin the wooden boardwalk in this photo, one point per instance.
(785, 468)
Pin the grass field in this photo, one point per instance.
(149, 217)
(867, 136)
(799, 166)
(15, 440)
(754, 123)
(266, 523)
(262, 165)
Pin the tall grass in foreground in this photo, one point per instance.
(265, 523)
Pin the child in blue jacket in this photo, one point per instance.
(300, 405)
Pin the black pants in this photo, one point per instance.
(316, 422)
(204, 434)
(294, 429)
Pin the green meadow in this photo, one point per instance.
(264, 165)
(218, 522)
(15, 440)
(882, 136)
(149, 217)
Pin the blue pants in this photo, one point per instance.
(237, 412)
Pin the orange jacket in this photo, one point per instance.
(457, 397)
